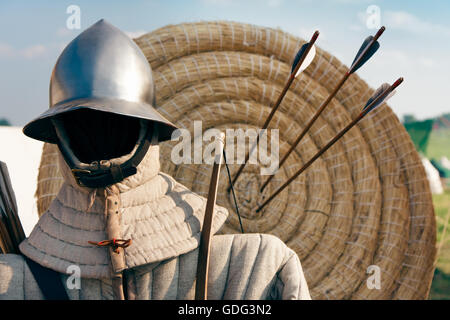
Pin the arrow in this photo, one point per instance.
(307, 52)
(302, 60)
(11, 230)
(380, 96)
(368, 48)
(6, 242)
(381, 91)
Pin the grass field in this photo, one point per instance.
(440, 287)
(439, 144)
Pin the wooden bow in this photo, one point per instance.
(201, 287)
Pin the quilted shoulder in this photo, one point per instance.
(255, 266)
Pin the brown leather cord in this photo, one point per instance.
(114, 243)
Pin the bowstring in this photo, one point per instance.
(232, 191)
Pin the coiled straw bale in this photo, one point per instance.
(365, 202)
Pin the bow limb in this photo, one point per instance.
(201, 287)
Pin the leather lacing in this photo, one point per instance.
(114, 243)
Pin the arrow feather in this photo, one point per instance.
(383, 92)
(367, 55)
(307, 61)
(298, 56)
(381, 89)
(390, 95)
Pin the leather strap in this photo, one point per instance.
(117, 172)
(48, 280)
(104, 179)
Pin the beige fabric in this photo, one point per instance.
(162, 217)
(249, 266)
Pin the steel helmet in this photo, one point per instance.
(101, 71)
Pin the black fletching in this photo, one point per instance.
(299, 55)
(367, 55)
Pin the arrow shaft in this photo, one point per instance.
(277, 104)
(324, 149)
(6, 243)
(9, 218)
(308, 126)
(325, 104)
(265, 125)
(307, 164)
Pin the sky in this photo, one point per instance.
(415, 45)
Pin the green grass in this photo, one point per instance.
(440, 287)
(438, 144)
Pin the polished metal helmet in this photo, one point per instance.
(103, 72)
(101, 69)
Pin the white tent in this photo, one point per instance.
(445, 162)
(433, 177)
(22, 155)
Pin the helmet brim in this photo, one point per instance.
(42, 128)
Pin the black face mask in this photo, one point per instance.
(95, 135)
(88, 139)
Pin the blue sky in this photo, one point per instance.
(416, 44)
